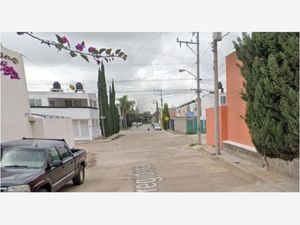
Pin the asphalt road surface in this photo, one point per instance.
(158, 161)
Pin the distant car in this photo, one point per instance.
(157, 127)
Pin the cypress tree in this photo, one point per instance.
(165, 116)
(115, 113)
(111, 118)
(99, 85)
(103, 102)
(270, 66)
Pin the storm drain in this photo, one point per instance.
(145, 179)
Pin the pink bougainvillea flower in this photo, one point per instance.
(65, 40)
(92, 49)
(98, 61)
(80, 47)
(8, 70)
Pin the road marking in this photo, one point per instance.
(146, 179)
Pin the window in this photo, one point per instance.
(63, 151)
(51, 103)
(35, 102)
(77, 103)
(24, 158)
(222, 100)
(68, 103)
(53, 155)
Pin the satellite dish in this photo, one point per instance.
(72, 87)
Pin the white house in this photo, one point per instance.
(81, 107)
(16, 118)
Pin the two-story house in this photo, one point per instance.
(81, 107)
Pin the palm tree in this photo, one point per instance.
(126, 106)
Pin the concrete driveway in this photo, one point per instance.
(149, 161)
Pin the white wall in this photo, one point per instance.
(14, 102)
(63, 95)
(53, 128)
(15, 110)
(74, 113)
(208, 101)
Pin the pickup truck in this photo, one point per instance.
(40, 165)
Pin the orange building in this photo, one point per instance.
(232, 124)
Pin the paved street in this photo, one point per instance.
(142, 160)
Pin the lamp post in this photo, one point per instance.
(198, 104)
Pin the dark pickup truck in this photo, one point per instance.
(40, 165)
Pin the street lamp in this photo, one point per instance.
(198, 103)
(183, 70)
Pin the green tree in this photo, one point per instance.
(165, 116)
(126, 109)
(114, 120)
(270, 66)
(115, 112)
(103, 102)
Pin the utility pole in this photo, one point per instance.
(198, 82)
(217, 36)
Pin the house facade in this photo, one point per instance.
(233, 127)
(17, 121)
(185, 119)
(81, 107)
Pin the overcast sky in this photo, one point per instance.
(151, 56)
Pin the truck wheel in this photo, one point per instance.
(79, 178)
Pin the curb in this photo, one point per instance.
(228, 162)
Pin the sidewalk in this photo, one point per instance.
(102, 140)
(278, 180)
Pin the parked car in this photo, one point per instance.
(40, 165)
(157, 126)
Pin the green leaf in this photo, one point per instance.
(96, 52)
(108, 51)
(73, 54)
(101, 50)
(85, 57)
(106, 59)
(59, 46)
(121, 54)
(118, 51)
(59, 39)
(14, 60)
(125, 57)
